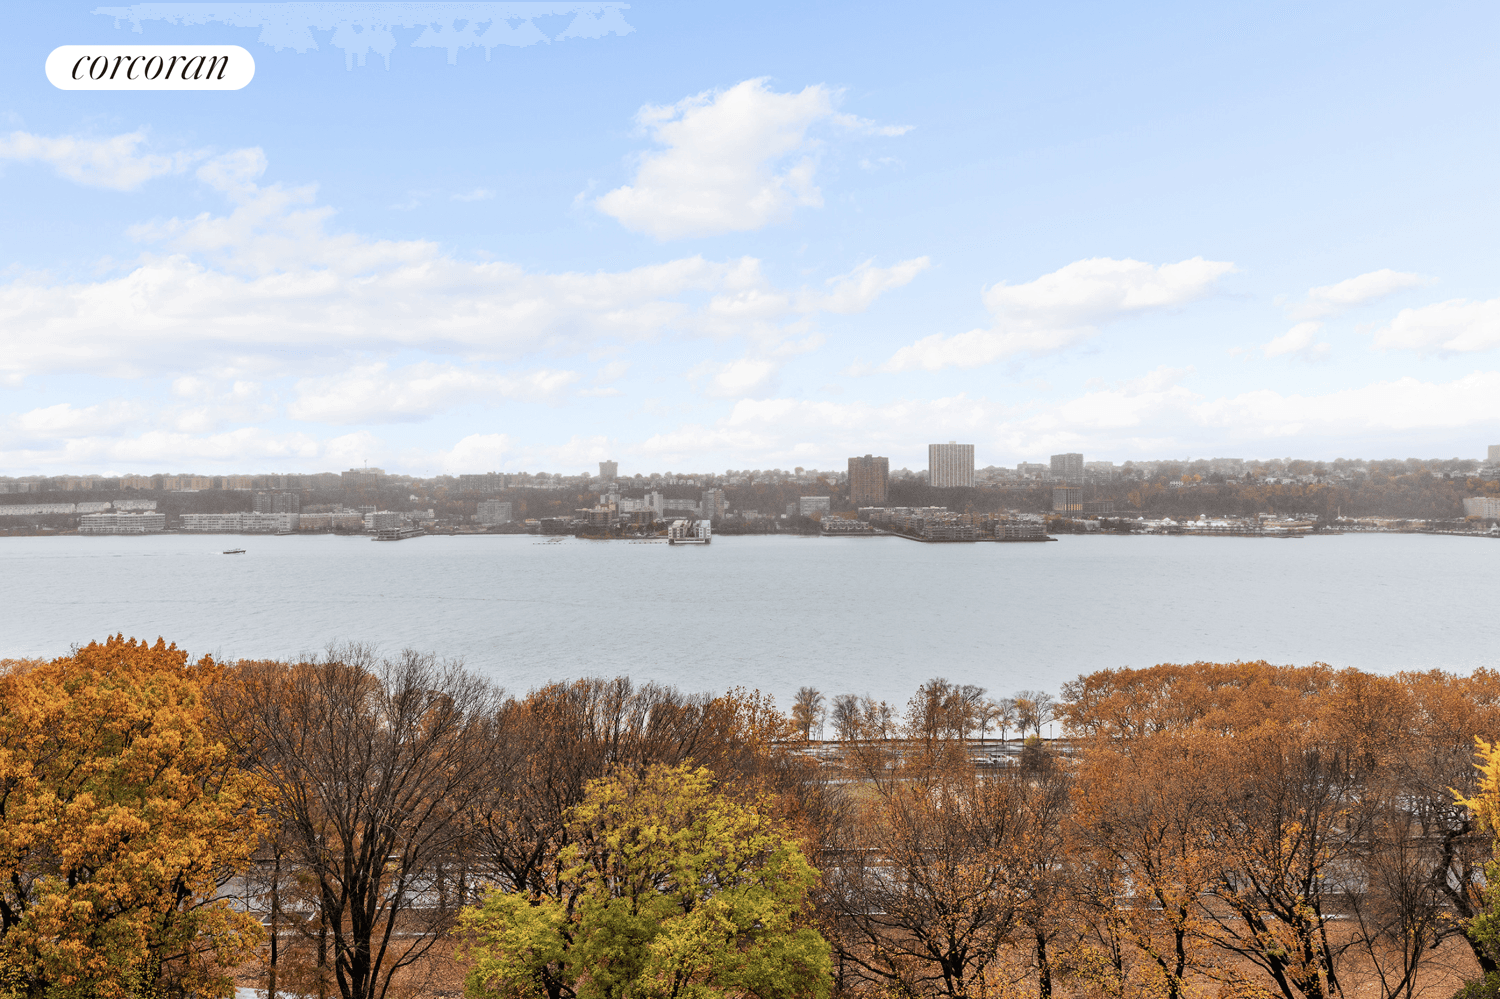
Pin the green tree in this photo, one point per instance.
(673, 890)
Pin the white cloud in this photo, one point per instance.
(1365, 288)
(1454, 326)
(1299, 341)
(487, 451)
(735, 378)
(234, 173)
(377, 394)
(1063, 308)
(613, 371)
(735, 160)
(1148, 416)
(478, 194)
(857, 290)
(495, 451)
(65, 420)
(114, 162)
(1404, 404)
(269, 286)
(232, 450)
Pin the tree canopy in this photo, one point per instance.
(120, 819)
(673, 890)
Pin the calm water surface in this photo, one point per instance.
(873, 616)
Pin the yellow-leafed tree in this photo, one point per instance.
(1484, 927)
(120, 819)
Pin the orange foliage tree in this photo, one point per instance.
(121, 818)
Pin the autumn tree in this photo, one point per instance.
(372, 765)
(1288, 817)
(669, 888)
(121, 818)
(848, 717)
(1484, 803)
(1143, 814)
(807, 710)
(1436, 759)
(928, 877)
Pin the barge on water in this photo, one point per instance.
(397, 533)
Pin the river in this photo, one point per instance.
(860, 615)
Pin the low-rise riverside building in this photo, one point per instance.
(238, 523)
(122, 523)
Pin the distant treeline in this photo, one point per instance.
(1406, 490)
(338, 825)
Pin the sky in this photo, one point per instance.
(467, 237)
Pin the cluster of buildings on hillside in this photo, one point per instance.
(372, 500)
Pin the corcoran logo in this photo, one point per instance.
(150, 67)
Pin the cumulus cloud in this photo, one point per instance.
(857, 290)
(66, 420)
(477, 451)
(1146, 416)
(735, 378)
(1299, 341)
(750, 305)
(376, 393)
(1063, 308)
(1455, 326)
(234, 173)
(734, 160)
(116, 162)
(496, 450)
(271, 284)
(1332, 299)
(232, 450)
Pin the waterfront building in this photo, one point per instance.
(238, 523)
(1067, 500)
(493, 512)
(713, 503)
(950, 465)
(48, 509)
(1068, 467)
(122, 523)
(608, 470)
(869, 480)
(809, 505)
(844, 525)
(383, 520)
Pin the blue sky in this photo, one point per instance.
(709, 236)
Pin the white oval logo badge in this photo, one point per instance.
(150, 67)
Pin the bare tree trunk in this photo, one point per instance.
(275, 922)
(322, 954)
(1043, 967)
